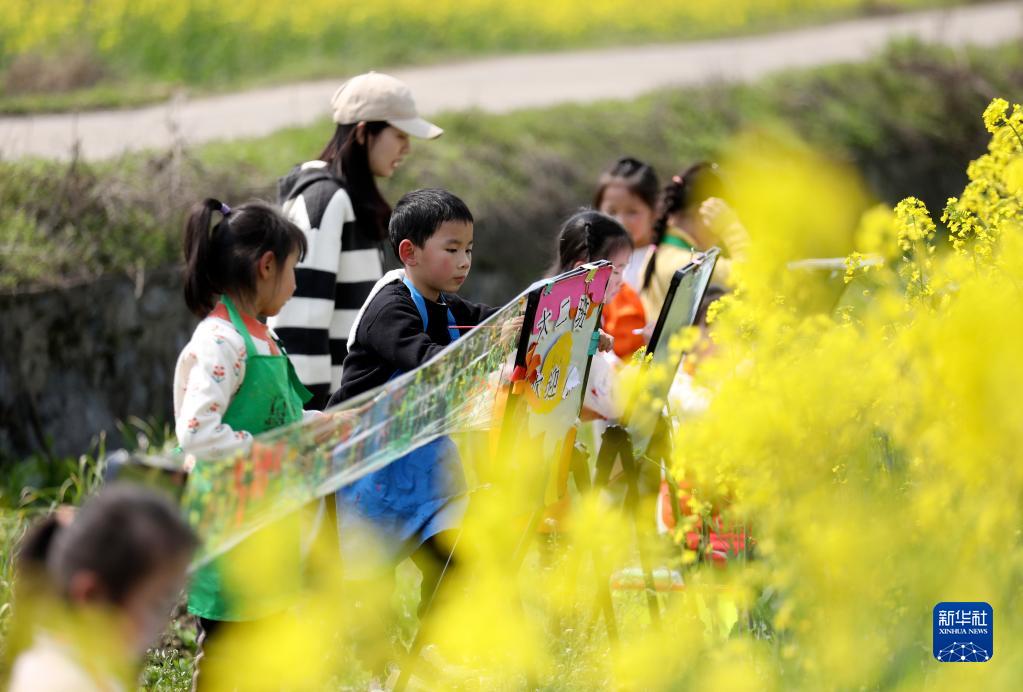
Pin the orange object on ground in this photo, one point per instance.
(722, 542)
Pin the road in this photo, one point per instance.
(503, 84)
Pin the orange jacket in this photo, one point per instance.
(623, 316)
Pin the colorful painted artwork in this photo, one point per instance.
(463, 388)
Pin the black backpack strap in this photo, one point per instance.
(285, 193)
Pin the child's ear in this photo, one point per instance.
(267, 264)
(407, 253)
(85, 587)
(360, 133)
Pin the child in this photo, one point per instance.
(233, 381)
(405, 320)
(628, 191)
(411, 506)
(588, 236)
(103, 582)
(692, 218)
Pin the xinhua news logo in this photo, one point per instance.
(963, 632)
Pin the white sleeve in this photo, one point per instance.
(209, 372)
(602, 390)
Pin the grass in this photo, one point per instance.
(103, 96)
(112, 55)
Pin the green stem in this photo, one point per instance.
(1014, 131)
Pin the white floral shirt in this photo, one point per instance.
(210, 370)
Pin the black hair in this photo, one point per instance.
(222, 257)
(586, 236)
(639, 178)
(123, 535)
(418, 215)
(684, 193)
(348, 161)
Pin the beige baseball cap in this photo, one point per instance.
(376, 96)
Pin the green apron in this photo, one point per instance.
(677, 241)
(268, 561)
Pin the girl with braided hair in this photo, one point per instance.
(691, 217)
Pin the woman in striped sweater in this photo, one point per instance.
(335, 201)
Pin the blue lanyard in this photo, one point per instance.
(420, 302)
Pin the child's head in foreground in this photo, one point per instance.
(431, 231)
(124, 554)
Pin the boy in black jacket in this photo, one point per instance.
(432, 234)
(412, 506)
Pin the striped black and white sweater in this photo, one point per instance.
(343, 262)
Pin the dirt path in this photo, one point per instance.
(507, 83)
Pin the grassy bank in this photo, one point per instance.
(904, 119)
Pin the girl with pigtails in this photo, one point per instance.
(233, 380)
